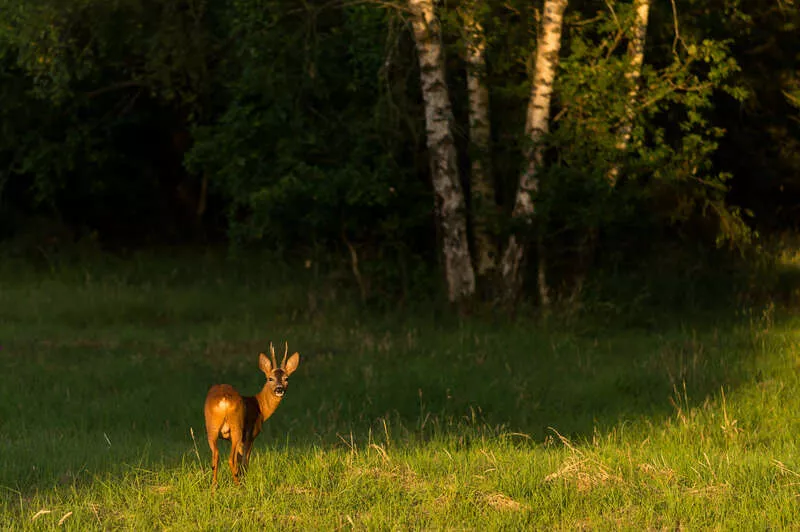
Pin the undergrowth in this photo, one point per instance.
(404, 418)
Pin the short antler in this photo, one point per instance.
(285, 352)
(272, 353)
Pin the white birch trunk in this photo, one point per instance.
(481, 187)
(536, 126)
(636, 60)
(442, 151)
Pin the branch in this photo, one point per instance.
(677, 31)
(115, 87)
(354, 266)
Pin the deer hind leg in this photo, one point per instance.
(212, 431)
(214, 461)
(236, 448)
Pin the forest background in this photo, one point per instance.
(300, 128)
(539, 259)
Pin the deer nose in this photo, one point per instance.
(280, 390)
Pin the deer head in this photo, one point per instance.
(278, 376)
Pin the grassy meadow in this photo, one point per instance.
(396, 418)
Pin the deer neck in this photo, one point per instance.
(267, 403)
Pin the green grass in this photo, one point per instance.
(395, 419)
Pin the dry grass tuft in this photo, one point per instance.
(503, 503)
(711, 490)
(658, 472)
(300, 490)
(64, 518)
(398, 475)
(785, 471)
(586, 472)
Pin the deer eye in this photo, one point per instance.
(271, 379)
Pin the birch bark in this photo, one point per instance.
(451, 212)
(536, 126)
(636, 60)
(481, 187)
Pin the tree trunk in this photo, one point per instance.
(481, 187)
(536, 126)
(636, 43)
(451, 210)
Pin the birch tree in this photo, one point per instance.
(536, 126)
(641, 11)
(481, 185)
(450, 203)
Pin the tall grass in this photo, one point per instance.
(394, 419)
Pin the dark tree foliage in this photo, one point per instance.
(314, 144)
(96, 102)
(297, 126)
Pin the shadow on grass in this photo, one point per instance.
(108, 369)
(90, 400)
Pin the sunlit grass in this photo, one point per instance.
(394, 420)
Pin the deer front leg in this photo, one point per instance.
(248, 448)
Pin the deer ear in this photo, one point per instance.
(292, 364)
(264, 363)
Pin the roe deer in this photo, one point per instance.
(238, 418)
